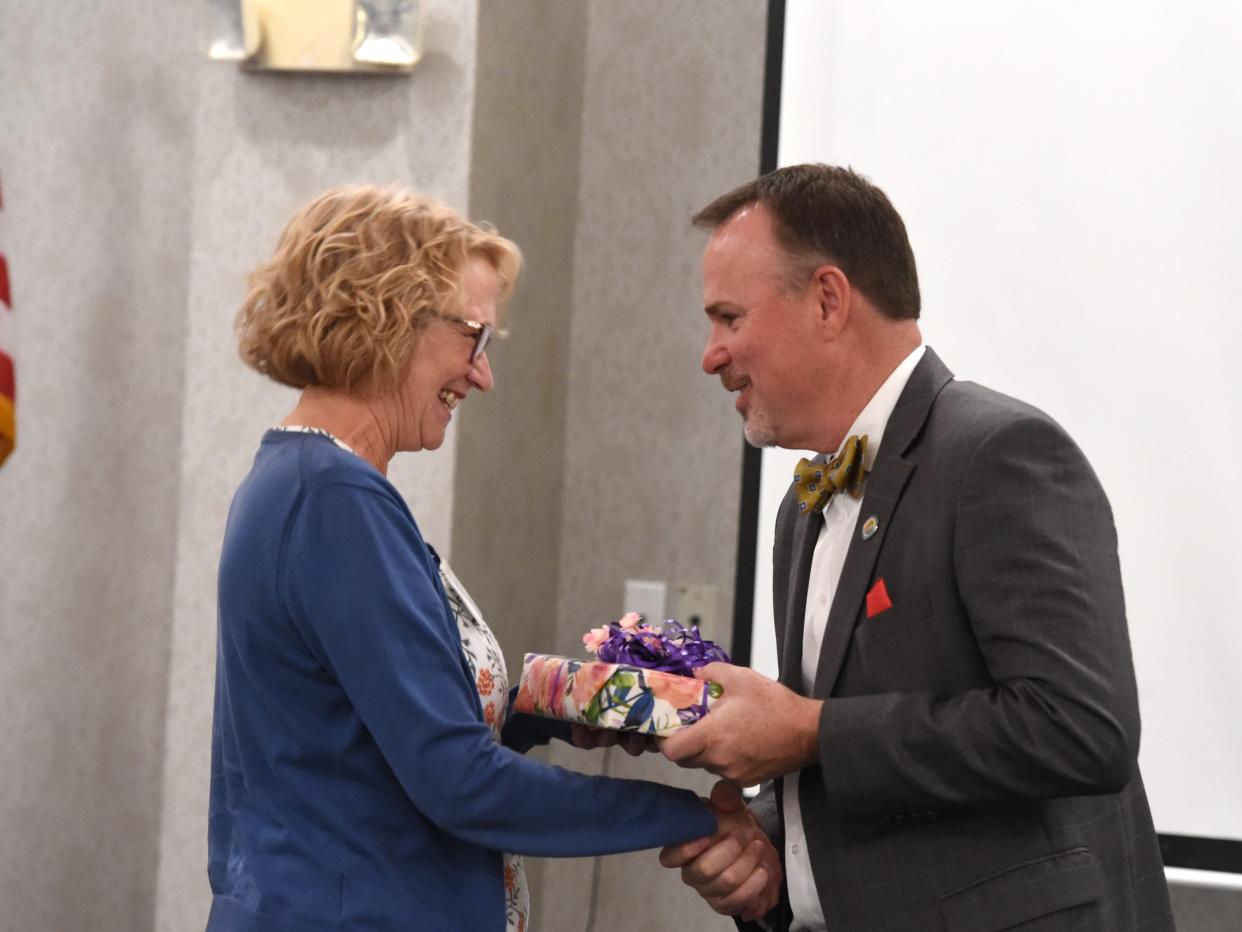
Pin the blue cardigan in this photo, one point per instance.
(354, 784)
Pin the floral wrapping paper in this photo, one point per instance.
(615, 696)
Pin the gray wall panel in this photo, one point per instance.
(96, 211)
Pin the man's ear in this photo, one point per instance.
(833, 293)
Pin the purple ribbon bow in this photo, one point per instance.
(673, 648)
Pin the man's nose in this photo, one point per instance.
(715, 357)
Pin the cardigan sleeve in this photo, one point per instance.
(360, 585)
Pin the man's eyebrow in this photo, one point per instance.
(716, 308)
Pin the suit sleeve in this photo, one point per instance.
(1035, 564)
(362, 590)
(763, 807)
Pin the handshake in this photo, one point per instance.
(737, 871)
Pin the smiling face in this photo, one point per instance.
(766, 342)
(441, 373)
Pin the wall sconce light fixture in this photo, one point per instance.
(367, 36)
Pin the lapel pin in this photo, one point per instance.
(870, 526)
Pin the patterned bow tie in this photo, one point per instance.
(816, 484)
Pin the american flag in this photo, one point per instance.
(8, 385)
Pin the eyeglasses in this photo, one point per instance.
(483, 333)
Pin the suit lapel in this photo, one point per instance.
(883, 492)
(806, 533)
(884, 488)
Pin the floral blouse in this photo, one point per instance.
(491, 679)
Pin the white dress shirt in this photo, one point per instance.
(838, 522)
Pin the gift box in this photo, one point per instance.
(616, 696)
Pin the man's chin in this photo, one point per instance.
(758, 435)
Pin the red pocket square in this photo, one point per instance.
(878, 600)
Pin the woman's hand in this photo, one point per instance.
(584, 736)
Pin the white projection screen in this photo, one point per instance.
(1071, 177)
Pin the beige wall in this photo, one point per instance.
(671, 118)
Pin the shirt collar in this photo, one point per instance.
(873, 418)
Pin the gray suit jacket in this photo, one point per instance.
(978, 750)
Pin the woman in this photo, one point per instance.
(363, 770)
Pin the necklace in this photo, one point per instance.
(300, 429)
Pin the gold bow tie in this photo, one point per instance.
(816, 483)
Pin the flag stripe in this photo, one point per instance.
(8, 386)
(8, 428)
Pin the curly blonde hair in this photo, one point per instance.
(344, 299)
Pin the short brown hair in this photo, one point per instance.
(823, 212)
(343, 300)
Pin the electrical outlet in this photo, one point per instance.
(648, 597)
(696, 605)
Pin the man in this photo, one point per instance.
(953, 740)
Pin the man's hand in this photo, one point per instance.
(737, 871)
(757, 731)
(584, 736)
